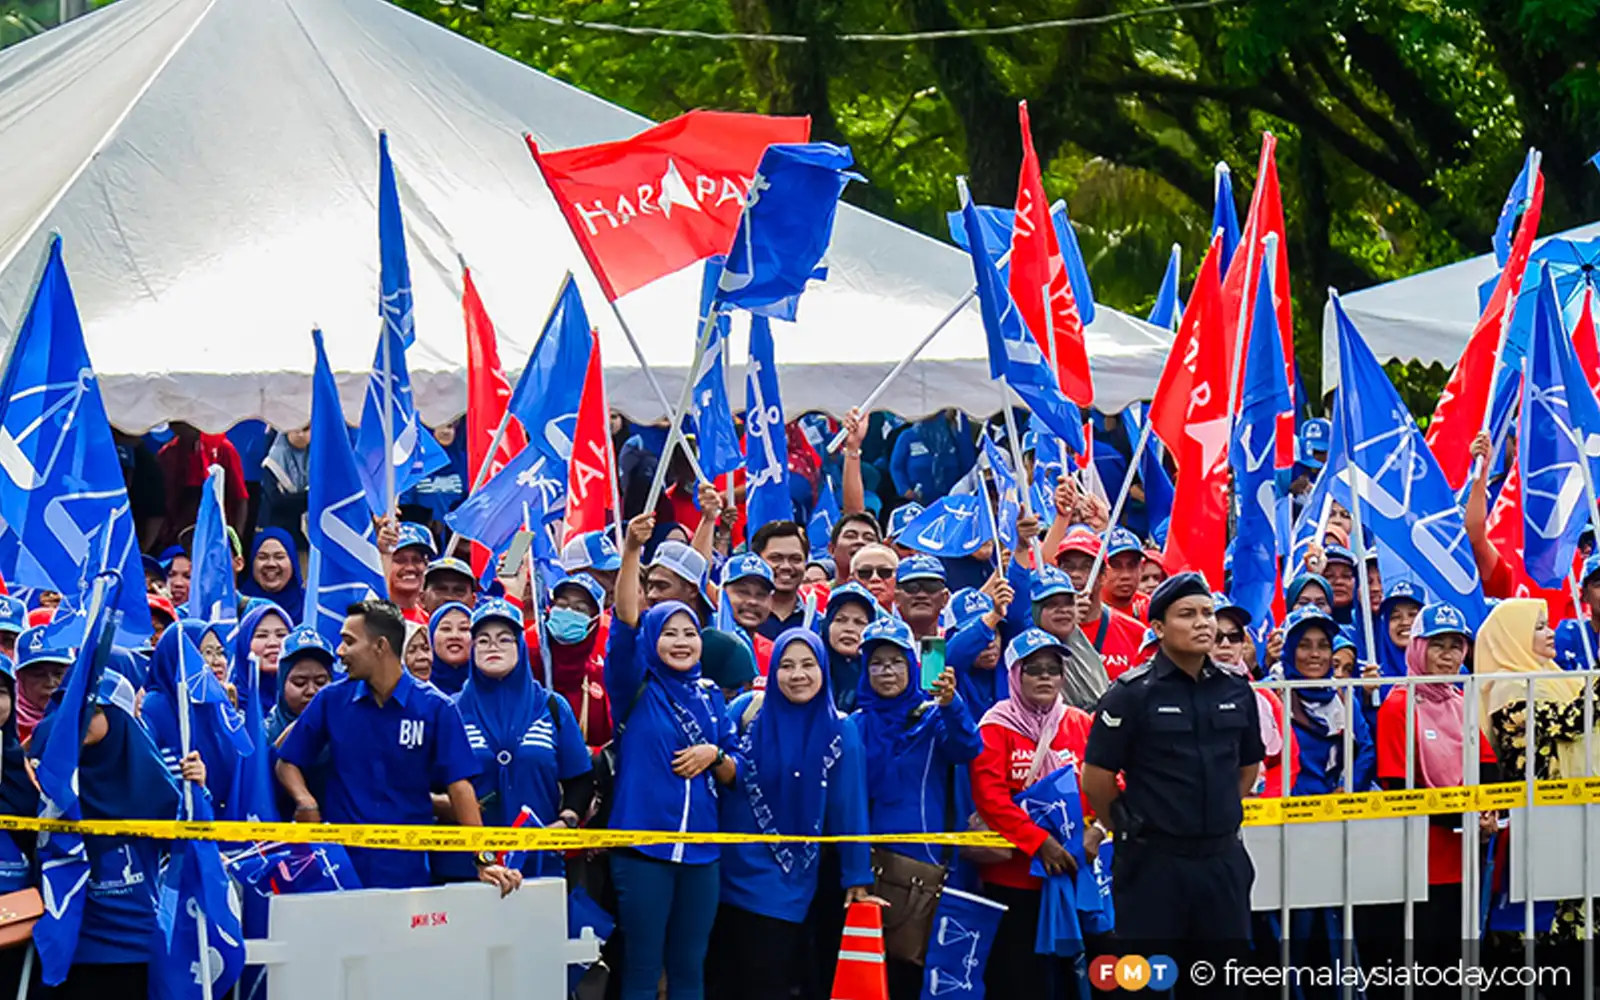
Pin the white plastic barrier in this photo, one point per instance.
(421, 944)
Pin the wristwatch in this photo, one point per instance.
(485, 859)
(722, 755)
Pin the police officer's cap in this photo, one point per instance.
(1175, 588)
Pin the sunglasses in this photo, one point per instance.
(874, 572)
(922, 586)
(1043, 670)
(1230, 638)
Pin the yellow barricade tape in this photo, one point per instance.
(1257, 812)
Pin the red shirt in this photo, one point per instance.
(1118, 637)
(1272, 766)
(1444, 843)
(1000, 772)
(1138, 608)
(583, 684)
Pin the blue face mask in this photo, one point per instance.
(568, 626)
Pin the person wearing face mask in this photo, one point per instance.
(526, 740)
(450, 637)
(577, 654)
(274, 572)
(261, 634)
(1056, 611)
(851, 608)
(974, 645)
(1229, 653)
(305, 668)
(40, 667)
(802, 776)
(418, 658)
(1026, 736)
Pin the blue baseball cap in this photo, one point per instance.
(152, 566)
(1307, 615)
(591, 550)
(306, 641)
(1441, 619)
(1030, 641)
(1049, 582)
(586, 583)
(1400, 592)
(900, 517)
(852, 591)
(1315, 434)
(1222, 604)
(744, 566)
(449, 564)
(414, 535)
(35, 647)
(13, 614)
(968, 605)
(1591, 568)
(891, 630)
(1122, 540)
(1338, 553)
(919, 567)
(497, 610)
(1342, 641)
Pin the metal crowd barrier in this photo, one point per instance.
(1550, 844)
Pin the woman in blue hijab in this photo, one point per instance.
(1309, 589)
(450, 638)
(273, 572)
(262, 634)
(851, 608)
(1399, 609)
(1320, 714)
(529, 749)
(305, 668)
(802, 776)
(121, 775)
(159, 712)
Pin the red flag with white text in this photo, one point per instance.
(1039, 283)
(1459, 415)
(1190, 414)
(644, 207)
(488, 393)
(589, 471)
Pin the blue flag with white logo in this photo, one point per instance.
(1223, 214)
(195, 908)
(273, 869)
(1013, 353)
(532, 481)
(1516, 199)
(995, 226)
(63, 859)
(1560, 422)
(1008, 503)
(547, 394)
(213, 595)
(766, 439)
(1169, 308)
(709, 411)
(1263, 396)
(1405, 500)
(964, 931)
(254, 797)
(344, 566)
(825, 513)
(61, 487)
(218, 729)
(785, 228)
(952, 526)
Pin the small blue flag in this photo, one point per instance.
(1223, 214)
(218, 729)
(344, 563)
(1169, 308)
(195, 908)
(825, 513)
(61, 485)
(767, 496)
(712, 417)
(213, 595)
(953, 526)
(964, 931)
(494, 513)
(1516, 201)
(1008, 505)
(273, 869)
(254, 793)
(785, 228)
(547, 394)
(1264, 395)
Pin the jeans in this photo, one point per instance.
(665, 911)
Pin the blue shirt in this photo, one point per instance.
(1322, 759)
(386, 761)
(918, 793)
(1569, 644)
(751, 877)
(119, 913)
(647, 795)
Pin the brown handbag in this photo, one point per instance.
(911, 888)
(19, 911)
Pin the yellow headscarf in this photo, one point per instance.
(1505, 646)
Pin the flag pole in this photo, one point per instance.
(1239, 330)
(675, 431)
(185, 739)
(1016, 460)
(1122, 496)
(1055, 367)
(655, 386)
(994, 521)
(388, 421)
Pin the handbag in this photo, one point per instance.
(911, 888)
(19, 911)
(984, 856)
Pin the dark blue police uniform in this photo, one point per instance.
(1180, 872)
(385, 763)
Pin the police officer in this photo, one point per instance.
(1185, 736)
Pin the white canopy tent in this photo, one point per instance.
(1427, 316)
(211, 166)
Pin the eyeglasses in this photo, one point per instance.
(1053, 669)
(213, 654)
(494, 641)
(874, 572)
(922, 586)
(1230, 638)
(893, 666)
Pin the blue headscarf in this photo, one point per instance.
(1298, 624)
(791, 749)
(292, 598)
(239, 663)
(1391, 659)
(447, 677)
(503, 709)
(122, 776)
(885, 723)
(680, 686)
(1291, 593)
(844, 672)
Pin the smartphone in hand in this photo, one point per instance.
(932, 652)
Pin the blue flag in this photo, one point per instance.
(1013, 353)
(995, 225)
(195, 904)
(785, 227)
(61, 485)
(964, 931)
(273, 869)
(1223, 214)
(1008, 505)
(1264, 395)
(710, 413)
(953, 526)
(63, 859)
(1405, 500)
(532, 481)
(254, 797)
(344, 562)
(1042, 490)
(547, 394)
(213, 595)
(1516, 200)
(1559, 421)
(1169, 308)
(218, 730)
(825, 513)
(766, 439)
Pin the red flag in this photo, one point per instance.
(1458, 417)
(645, 207)
(1265, 218)
(1583, 342)
(1190, 413)
(488, 393)
(589, 471)
(1505, 528)
(1039, 283)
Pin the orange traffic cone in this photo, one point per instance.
(861, 974)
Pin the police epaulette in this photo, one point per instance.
(1134, 673)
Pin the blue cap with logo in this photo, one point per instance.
(1030, 641)
(852, 591)
(1122, 540)
(1338, 553)
(306, 641)
(583, 581)
(968, 605)
(891, 630)
(919, 566)
(1315, 434)
(900, 517)
(497, 610)
(1049, 582)
(1591, 568)
(414, 535)
(449, 564)
(1441, 619)
(1222, 604)
(13, 614)
(35, 647)
(744, 566)
(591, 550)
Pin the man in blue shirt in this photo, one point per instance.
(391, 742)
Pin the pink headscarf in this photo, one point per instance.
(1438, 723)
(1034, 724)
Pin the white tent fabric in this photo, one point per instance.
(1427, 316)
(211, 166)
